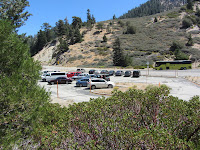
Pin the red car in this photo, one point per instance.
(61, 80)
(71, 74)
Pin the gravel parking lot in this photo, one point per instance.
(180, 87)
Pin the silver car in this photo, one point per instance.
(100, 83)
(80, 76)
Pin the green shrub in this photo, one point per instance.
(121, 23)
(130, 30)
(103, 51)
(136, 119)
(179, 55)
(173, 14)
(186, 23)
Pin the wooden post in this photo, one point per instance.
(90, 84)
(57, 88)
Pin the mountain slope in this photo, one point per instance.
(91, 51)
(152, 7)
(151, 42)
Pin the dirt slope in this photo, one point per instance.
(87, 52)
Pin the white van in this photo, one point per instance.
(54, 75)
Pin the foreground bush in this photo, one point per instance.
(135, 119)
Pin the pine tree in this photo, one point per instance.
(13, 10)
(71, 35)
(105, 38)
(76, 22)
(67, 27)
(190, 41)
(190, 4)
(118, 58)
(114, 17)
(93, 20)
(20, 95)
(60, 28)
(41, 40)
(47, 29)
(77, 36)
(89, 18)
(127, 61)
(155, 19)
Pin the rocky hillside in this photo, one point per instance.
(151, 42)
(92, 51)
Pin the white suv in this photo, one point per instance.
(100, 83)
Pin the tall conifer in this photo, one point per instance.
(117, 53)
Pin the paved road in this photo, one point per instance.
(180, 87)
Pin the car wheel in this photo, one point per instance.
(67, 82)
(80, 85)
(110, 86)
(93, 87)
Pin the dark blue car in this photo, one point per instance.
(82, 82)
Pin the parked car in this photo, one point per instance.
(71, 74)
(97, 71)
(111, 72)
(119, 73)
(82, 82)
(104, 72)
(91, 71)
(91, 76)
(55, 75)
(99, 83)
(60, 80)
(43, 77)
(136, 73)
(127, 74)
(46, 74)
(104, 76)
(46, 71)
(79, 76)
(80, 70)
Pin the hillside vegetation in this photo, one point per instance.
(153, 7)
(151, 40)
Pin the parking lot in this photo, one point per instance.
(67, 94)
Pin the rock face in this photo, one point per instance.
(45, 55)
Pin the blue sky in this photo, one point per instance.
(51, 11)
